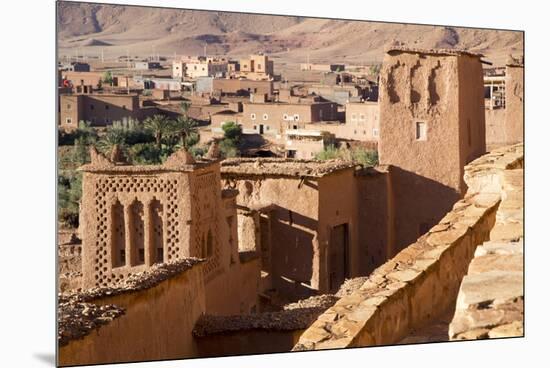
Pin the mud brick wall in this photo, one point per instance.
(421, 281)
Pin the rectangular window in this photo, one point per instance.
(68, 121)
(375, 132)
(421, 134)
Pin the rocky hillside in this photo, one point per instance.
(114, 29)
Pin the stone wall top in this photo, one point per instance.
(181, 161)
(420, 282)
(135, 282)
(283, 167)
(443, 52)
(294, 316)
(78, 316)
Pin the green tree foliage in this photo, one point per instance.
(229, 145)
(329, 153)
(232, 131)
(160, 126)
(114, 136)
(107, 78)
(84, 130)
(197, 151)
(147, 154)
(365, 157)
(228, 148)
(359, 155)
(69, 189)
(187, 131)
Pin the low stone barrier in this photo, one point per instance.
(490, 300)
(422, 281)
(146, 317)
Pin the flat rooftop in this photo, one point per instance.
(78, 316)
(455, 52)
(302, 103)
(283, 167)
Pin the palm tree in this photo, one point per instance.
(185, 127)
(113, 137)
(160, 126)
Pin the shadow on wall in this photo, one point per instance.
(254, 145)
(419, 204)
(292, 248)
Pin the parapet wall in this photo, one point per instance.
(422, 281)
(490, 300)
(149, 317)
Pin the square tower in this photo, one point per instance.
(432, 123)
(135, 216)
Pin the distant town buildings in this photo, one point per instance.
(147, 65)
(255, 67)
(323, 67)
(98, 109)
(75, 66)
(273, 118)
(504, 104)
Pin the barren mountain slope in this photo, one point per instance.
(91, 28)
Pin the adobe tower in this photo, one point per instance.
(432, 124)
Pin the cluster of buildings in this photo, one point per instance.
(288, 228)
(255, 67)
(298, 119)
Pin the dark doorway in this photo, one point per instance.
(339, 254)
(261, 129)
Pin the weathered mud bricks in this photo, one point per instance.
(432, 124)
(137, 216)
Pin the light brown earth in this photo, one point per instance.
(87, 29)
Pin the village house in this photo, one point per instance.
(75, 66)
(323, 67)
(256, 67)
(178, 69)
(234, 87)
(98, 109)
(273, 118)
(242, 87)
(202, 67)
(306, 143)
(504, 105)
(220, 118)
(147, 65)
(75, 78)
(362, 122)
(306, 219)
